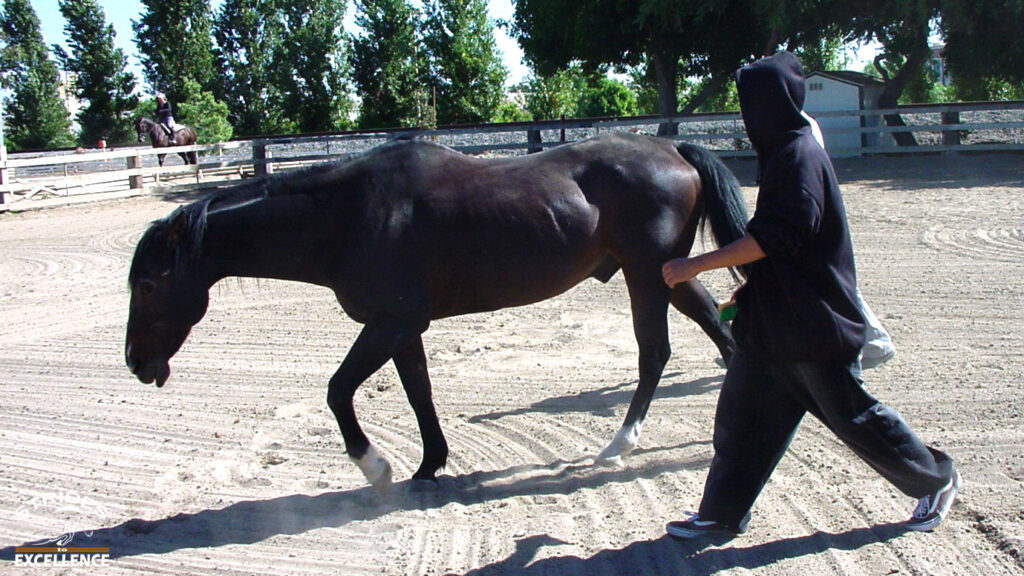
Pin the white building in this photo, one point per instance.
(844, 91)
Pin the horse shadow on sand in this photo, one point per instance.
(252, 521)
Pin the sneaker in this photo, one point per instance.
(694, 527)
(932, 509)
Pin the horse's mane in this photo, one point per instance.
(184, 229)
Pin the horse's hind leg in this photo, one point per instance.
(411, 364)
(692, 299)
(649, 299)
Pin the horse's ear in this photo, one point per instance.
(178, 228)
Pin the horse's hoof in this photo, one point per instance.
(376, 470)
(625, 441)
(382, 483)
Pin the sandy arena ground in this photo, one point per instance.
(237, 467)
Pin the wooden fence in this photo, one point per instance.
(28, 181)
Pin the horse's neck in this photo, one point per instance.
(259, 240)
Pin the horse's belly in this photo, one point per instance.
(527, 278)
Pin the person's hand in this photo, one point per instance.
(679, 270)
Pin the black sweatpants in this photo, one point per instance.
(760, 408)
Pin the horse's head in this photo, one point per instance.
(140, 128)
(168, 296)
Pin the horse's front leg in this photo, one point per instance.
(649, 299)
(376, 343)
(411, 363)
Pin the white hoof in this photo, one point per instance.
(625, 441)
(376, 469)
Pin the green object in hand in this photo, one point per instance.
(727, 311)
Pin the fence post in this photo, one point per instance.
(5, 196)
(261, 165)
(533, 140)
(135, 180)
(951, 137)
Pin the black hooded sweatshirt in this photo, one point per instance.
(800, 302)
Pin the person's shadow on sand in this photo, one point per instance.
(682, 557)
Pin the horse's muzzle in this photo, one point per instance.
(147, 371)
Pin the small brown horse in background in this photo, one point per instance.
(158, 136)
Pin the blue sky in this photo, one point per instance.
(120, 13)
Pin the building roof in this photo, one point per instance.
(849, 77)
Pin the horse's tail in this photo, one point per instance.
(724, 207)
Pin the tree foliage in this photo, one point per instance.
(388, 69)
(604, 96)
(311, 64)
(465, 66)
(101, 77)
(705, 38)
(205, 114)
(248, 34)
(985, 47)
(34, 116)
(174, 38)
(578, 92)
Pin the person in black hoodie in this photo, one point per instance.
(798, 326)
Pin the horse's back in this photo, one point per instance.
(480, 234)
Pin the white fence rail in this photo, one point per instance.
(34, 180)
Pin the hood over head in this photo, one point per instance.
(771, 93)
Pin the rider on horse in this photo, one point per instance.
(165, 116)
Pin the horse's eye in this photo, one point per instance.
(146, 287)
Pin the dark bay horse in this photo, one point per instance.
(186, 136)
(413, 231)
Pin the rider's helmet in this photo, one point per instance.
(160, 96)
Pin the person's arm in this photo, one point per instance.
(743, 251)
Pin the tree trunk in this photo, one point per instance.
(701, 97)
(895, 85)
(666, 67)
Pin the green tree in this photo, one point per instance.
(465, 65)
(101, 78)
(551, 97)
(174, 37)
(604, 96)
(248, 34)
(676, 40)
(311, 64)
(388, 68)
(984, 47)
(510, 111)
(34, 116)
(205, 114)
(902, 28)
